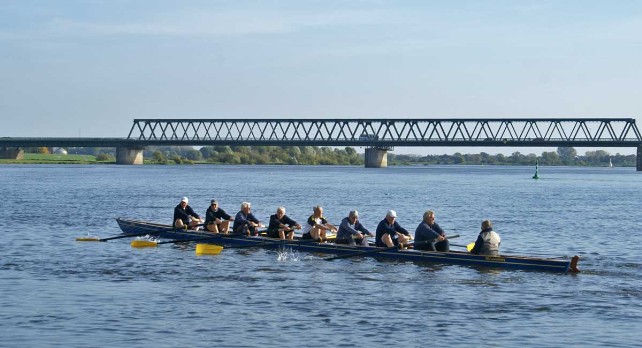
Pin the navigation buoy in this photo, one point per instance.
(536, 169)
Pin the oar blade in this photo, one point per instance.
(144, 244)
(208, 249)
(87, 239)
(470, 246)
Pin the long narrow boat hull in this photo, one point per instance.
(560, 265)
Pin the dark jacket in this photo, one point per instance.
(426, 237)
(211, 215)
(184, 214)
(275, 222)
(346, 231)
(385, 228)
(241, 220)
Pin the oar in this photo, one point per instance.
(213, 249)
(468, 247)
(96, 239)
(151, 243)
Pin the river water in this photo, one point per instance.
(57, 292)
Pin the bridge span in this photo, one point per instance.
(377, 135)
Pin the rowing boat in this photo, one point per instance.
(560, 265)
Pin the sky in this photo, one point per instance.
(88, 68)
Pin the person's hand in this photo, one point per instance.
(218, 221)
(359, 235)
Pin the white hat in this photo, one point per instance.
(391, 213)
(184, 199)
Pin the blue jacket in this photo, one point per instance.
(241, 220)
(385, 228)
(346, 231)
(428, 233)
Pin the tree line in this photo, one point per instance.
(314, 155)
(564, 156)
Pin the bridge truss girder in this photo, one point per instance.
(585, 132)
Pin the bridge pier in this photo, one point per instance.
(376, 158)
(12, 153)
(129, 155)
(639, 159)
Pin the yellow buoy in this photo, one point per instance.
(143, 243)
(208, 249)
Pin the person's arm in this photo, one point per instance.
(438, 229)
(289, 222)
(327, 226)
(478, 245)
(345, 226)
(253, 219)
(424, 234)
(224, 215)
(191, 212)
(400, 229)
(359, 227)
(240, 219)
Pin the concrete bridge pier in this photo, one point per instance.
(376, 158)
(129, 155)
(639, 159)
(14, 153)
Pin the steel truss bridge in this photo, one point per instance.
(382, 133)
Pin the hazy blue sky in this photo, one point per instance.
(91, 67)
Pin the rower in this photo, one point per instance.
(488, 241)
(390, 233)
(280, 224)
(216, 219)
(185, 216)
(351, 231)
(317, 226)
(246, 223)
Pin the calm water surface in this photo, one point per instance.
(60, 293)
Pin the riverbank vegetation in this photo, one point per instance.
(313, 155)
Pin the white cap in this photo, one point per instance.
(391, 213)
(184, 199)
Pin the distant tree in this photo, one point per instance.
(551, 158)
(193, 155)
(567, 154)
(207, 151)
(458, 158)
(158, 157)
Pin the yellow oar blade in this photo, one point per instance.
(208, 249)
(87, 239)
(470, 246)
(143, 244)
